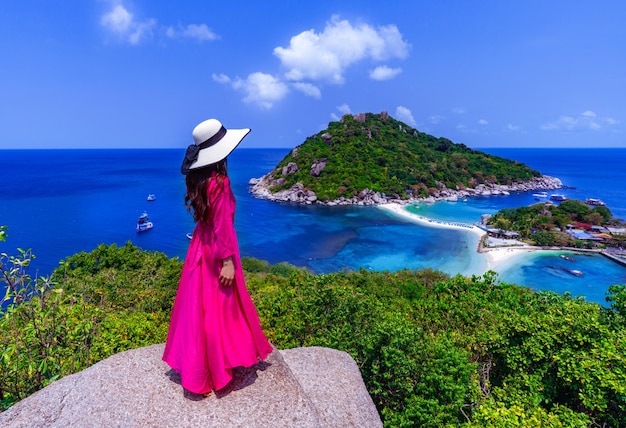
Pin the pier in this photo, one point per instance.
(616, 259)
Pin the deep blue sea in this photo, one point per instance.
(60, 202)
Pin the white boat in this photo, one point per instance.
(593, 201)
(144, 223)
(189, 235)
(151, 197)
(540, 195)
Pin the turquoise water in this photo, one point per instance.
(60, 202)
(540, 270)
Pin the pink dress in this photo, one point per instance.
(213, 328)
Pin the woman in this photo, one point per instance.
(214, 325)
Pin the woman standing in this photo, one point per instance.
(214, 325)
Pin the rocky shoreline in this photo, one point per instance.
(260, 188)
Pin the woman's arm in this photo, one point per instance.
(222, 207)
(227, 274)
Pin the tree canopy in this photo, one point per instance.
(545, 222)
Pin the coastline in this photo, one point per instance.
(298, 193)
(493, 258)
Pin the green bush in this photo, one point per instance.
(432, 350)
(93, 305)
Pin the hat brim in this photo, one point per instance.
(221, 149)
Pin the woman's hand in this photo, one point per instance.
(227, 273)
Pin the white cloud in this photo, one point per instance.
(259, 88)
(384, 73)
(587, 120)
(221, 78)
(344, 109)
(142, 30)
(435, 119)
(118, 20)
(483, 122)
(513, 128)
(199, 32)
(459, 110)
(589, 113)
(327, 55)
(308, 89)
(123, 23)
(405, 115)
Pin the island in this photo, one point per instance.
(374, 159)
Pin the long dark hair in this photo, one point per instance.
(197, 180)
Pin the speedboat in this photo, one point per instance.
(593, 201)
(189, 235)
(540, 195)
(575, 272)
(144, 223)
(558, 197)
(151, 197)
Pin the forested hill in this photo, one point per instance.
(382, 154)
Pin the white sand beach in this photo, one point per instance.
(497, 255)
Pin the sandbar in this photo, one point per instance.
(495, 256)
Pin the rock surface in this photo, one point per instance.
(303, 387)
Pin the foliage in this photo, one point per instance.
(385, 155)
(40, 339)
(433, 350)
(544, 222)
(123, 278)
(616, 296)
(458, 350)
(93, 305)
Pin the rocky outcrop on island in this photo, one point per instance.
(260, 187)
(303, 387)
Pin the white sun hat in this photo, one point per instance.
(213, 143)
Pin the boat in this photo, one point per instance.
(568, 258)
(540, 195)
(144, 223)
(593, 201)
(558, 197)
(151, 197)
(189, 235)
(574, 272)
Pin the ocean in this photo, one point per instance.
(61, 202)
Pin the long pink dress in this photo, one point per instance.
(213, 328)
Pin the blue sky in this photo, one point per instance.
(140, 73)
